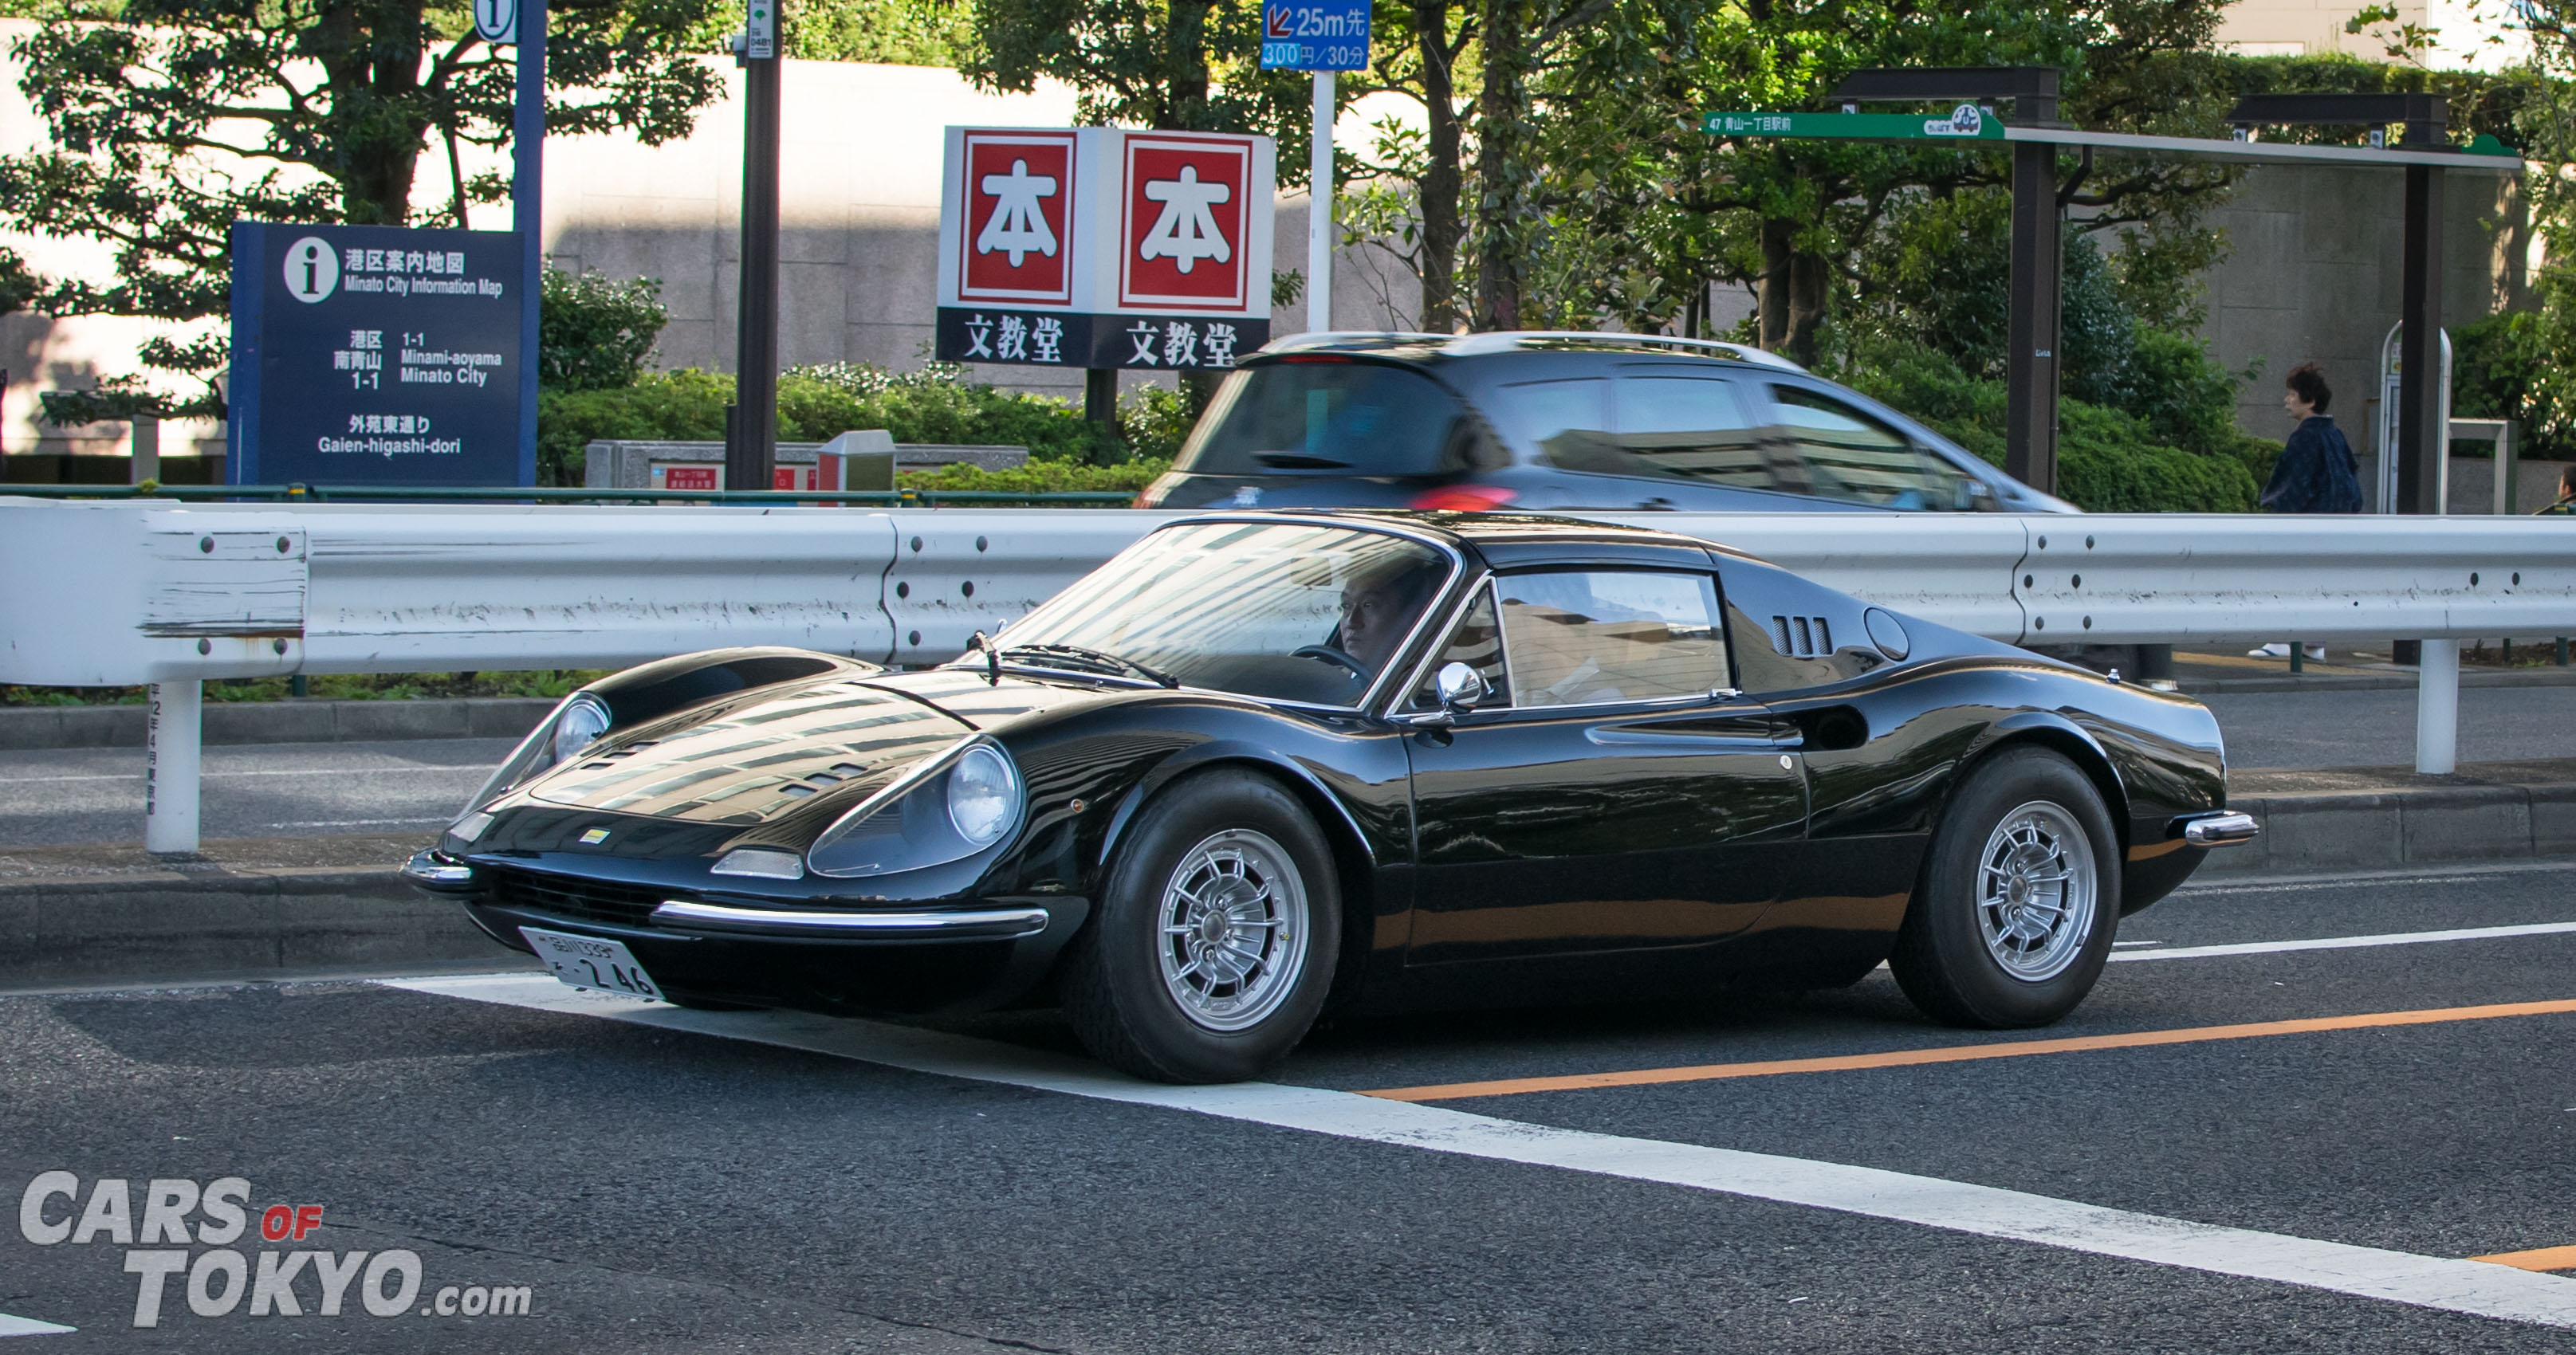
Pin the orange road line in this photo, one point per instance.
(1906, 1058)
(2546, 1258)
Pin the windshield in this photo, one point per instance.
(1285, 611)
(1329, 418)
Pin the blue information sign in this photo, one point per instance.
(375, 355)
(1315, 35)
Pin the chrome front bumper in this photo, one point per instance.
(2219, 830)
(1001, 924)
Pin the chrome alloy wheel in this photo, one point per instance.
(2037, 891)
(1233, 940)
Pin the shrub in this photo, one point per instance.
(819, 403)
(2108, 460)
(594, 334)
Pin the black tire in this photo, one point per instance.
(2030, 972)
(1119, 992)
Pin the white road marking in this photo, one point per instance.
(28, 1326)
(2351, 942)
(398, 769)
(2400, 1277)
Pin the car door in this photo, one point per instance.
(1654, 438)
(1614, 792)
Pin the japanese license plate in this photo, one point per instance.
(590, 962)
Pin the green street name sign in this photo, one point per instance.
(1967, 122)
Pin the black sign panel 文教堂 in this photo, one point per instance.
(376, 355)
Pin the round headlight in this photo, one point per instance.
(584, 719)
(983, 795)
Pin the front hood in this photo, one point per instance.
(757, 757)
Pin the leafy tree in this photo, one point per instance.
(170, 119)
(897, 32)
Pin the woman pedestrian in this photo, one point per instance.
(2566, 505)
(2316, 472)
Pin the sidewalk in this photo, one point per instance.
(2209, 671)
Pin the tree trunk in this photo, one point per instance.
(1502, 141)
(1185, 86)
(1792, 297)
(371, 61)
(1443, 173)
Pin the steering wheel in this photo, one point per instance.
(1331, 655)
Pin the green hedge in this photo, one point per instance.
(2108, 460)
(819, 403)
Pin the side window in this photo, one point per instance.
(1333, 418)
(1578, 637)
(1568, 421)
(1695, 428)
(1852, 457)
(1477, 643)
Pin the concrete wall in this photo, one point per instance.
(859, 211)
(2314, 275)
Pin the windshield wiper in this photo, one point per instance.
(1101, 657)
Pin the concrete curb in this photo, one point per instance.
(2434, 825)
(472, 717)
(341, 905)
(254, 925)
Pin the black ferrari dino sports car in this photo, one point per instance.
(1260, 765)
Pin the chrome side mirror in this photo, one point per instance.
(1459, 687)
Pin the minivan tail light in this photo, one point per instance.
(1463, 498)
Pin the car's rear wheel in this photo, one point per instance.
(1213, 944)
(2019, 897)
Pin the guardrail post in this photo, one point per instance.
(170, 766)
(2437, 708)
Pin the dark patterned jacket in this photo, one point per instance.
(2316, 472)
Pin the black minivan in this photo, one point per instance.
(1554, 421)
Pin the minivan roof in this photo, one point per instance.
(1399, 343)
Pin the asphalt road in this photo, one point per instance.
(96, 794)
(681, 1187)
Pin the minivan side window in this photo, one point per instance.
(1855, 458)
(1333, 418)
(1568, 421)
(1694, 428)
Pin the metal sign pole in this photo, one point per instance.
(1321, 36)
(752, 458)
(527, 212)
(1319, 229)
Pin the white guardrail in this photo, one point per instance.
(125, 592)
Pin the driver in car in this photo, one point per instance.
(1378, 607)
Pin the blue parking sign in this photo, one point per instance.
(1315, 35)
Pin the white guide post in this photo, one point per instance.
(2437, 708)
(145, 463)
(170, 767)
(1319, 230)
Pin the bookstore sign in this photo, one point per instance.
(1104, 248)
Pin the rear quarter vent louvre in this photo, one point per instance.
(1802, 637)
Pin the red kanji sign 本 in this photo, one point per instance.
(1184, 236)
(1017, 244)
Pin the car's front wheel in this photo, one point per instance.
(2019, 898)
(1213, 944)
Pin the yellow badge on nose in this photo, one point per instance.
(594, 837)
